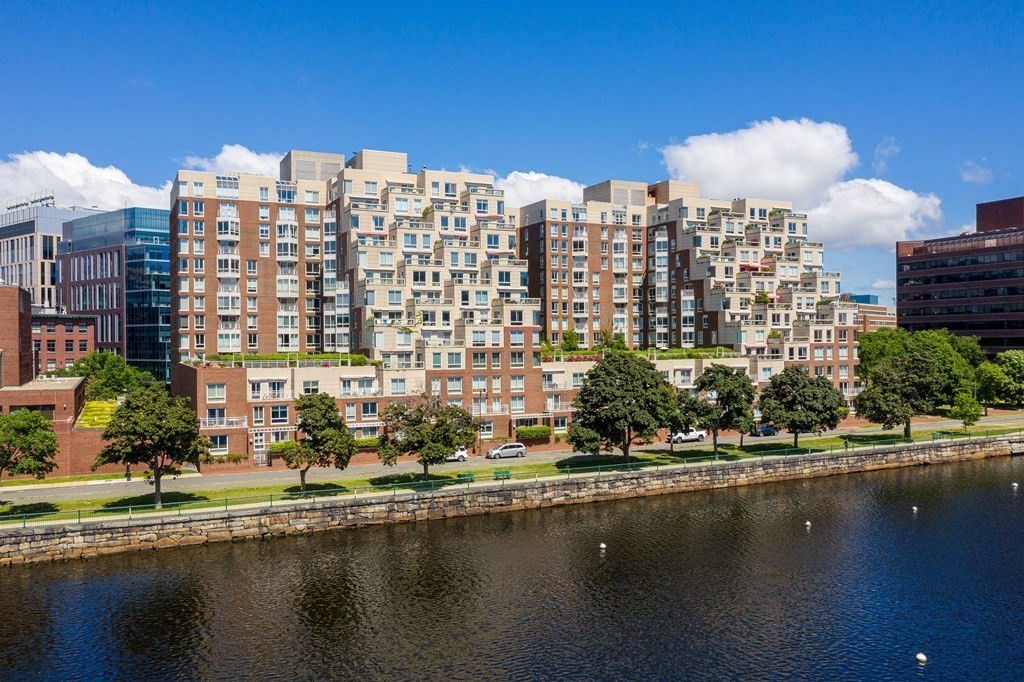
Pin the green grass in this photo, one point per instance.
(641, 457)
(96, 414)
(12, 482)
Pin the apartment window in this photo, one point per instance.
(454, 384)
(83, 346)
(310, 387)
(278, 414)
(517, 359)
(216, 393)
(69, 346)
(517, 382)
(518, 403)
(435, 386)
(369, 410)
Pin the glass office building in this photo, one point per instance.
(115, 265)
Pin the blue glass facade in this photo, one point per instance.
(117, 265)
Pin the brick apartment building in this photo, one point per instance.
(58, 340)
(445, 290)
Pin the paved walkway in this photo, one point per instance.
(281, 476)
(173, 510)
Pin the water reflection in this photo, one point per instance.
(706, 585)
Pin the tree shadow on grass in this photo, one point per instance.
(319, 489)
(30, 508)
(167, 498)
(875, 439)
(410, 479)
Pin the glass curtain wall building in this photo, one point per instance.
(116, 265)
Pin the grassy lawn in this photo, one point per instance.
(11, 482)
(449, 476)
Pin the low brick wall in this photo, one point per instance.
(52, 543)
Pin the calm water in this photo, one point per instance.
(716, 585)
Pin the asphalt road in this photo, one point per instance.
(283, 476)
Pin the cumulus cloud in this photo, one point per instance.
(234, 158)
(884, 284)
(975, 173)
(76, 181)
(871, 212)
(776, 159)
(884, 150)
(807, 162)
(525, 187)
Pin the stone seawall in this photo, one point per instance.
(54, 543)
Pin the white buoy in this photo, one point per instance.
(603, 546)
(807, 523)
(1014, 486)
(914, 509)
(921, 658)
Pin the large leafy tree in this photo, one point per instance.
(27, 444)
(324, 438)
(426, 427)
(107, 375)
(954, 356)
(623, 398)
(898, 388)
(991, 380)
(1012, 363)
(153, 429)
(793, 400)
(724, 400)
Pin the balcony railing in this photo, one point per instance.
(224, 422)
(479, 410)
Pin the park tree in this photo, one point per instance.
(426, 427)
(623, 398)
(966, 409)
(152, 428)
(990, 380)
(725, 397)
(954, 356)
(27, 444)
(570, 341)
(898, 388)
(793, 400)
(1012, 364)
(325, 439)
(107, 375)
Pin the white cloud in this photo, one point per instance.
(884, 284)
(776, 159)
(77, 182)
(806, 162)
(976, 173)
(884, 150)
(525, 187)
(234, 158)
(871, 213)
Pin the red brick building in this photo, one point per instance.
(59, 340)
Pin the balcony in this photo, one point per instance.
(224, 422)
(558, 407)
(481, 410)
(229, 308)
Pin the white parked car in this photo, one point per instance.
(691, 435)
(507, 450)
(459, 455)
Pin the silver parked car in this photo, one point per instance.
(507, 450)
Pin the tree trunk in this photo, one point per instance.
(906, 429)
(426, 470)
(156, 487)
(714, 443)
(796, 439)
(741, 438)
(625, 445)
(302, 479)
(986, 409)
(671, 443)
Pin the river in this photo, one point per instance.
(713, 585)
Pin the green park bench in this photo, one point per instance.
(502, 475)
(465, 478)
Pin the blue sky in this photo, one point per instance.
(927, 96)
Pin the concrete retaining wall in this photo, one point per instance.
(53, 543)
